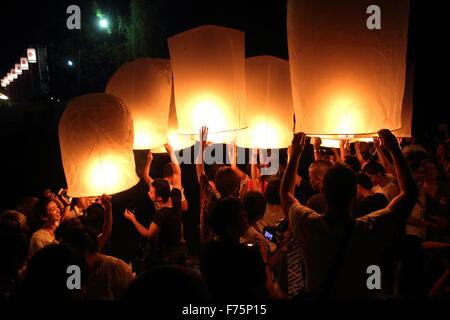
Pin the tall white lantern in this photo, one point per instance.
(96, 141)
(208, 65)
(347, 79)
(268, 109)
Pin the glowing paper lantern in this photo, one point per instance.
(24, 63)
(268, 107)
(176, 140)
(10, 77)
(208, 65)
(14, 74)
(96, 140)
(407, 107)
(31, 54)
(144, 85)
(17, 68)
(346, 78)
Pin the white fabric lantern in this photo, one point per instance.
(268, 109)
(407, 107)
(144, 85)
(24, 63)
(176, 140)
(208, 65)
(96, 141)
(346, 78)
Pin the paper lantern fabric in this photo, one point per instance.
(208, 65)
(96, 141)
(144, 85)
(269, 111)
(176, 140)
(407, 106)
(346, 79)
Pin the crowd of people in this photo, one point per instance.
(283, 237)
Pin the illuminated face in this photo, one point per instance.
(152, 194)
(315, 181)
(53, 211)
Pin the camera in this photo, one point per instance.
(63, 193)
(276, 233)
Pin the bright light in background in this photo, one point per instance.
(3, 97)
(103, 23)
(69, 63)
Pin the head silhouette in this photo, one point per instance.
(339, 186)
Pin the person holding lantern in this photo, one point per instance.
(337, 249)
(167, 222)
(226, 182)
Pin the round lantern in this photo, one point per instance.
(346, 78)
(268, 109)
(96, 141)
(144, 85)
(208, 65)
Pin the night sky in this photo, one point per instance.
(264, 23)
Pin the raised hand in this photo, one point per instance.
(105, 200)
(298, 143)
(204, 136)
(168, 148)
(129, 215)
(150, 156)
(388, 140)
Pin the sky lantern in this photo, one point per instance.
(96, 140)
(347, 79)
(208, 65)
(176, 140)
(17, 68)
(407, 107)
(144, 85)
(268, 109)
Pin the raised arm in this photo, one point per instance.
(232, 155)
(317, 143)
(358, 152)
(343, 151)
(175, 165)
(382, 156)
(288, 181)
(149, 233)
(199, 166)
(148, 162)
(255, 173)
(107, 222)
(405, 201)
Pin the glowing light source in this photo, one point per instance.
(103, 23)
(346, 79)
(268, 104)
(69, 63)
(31, 55)
(3, 97)
(24, 63)
(96, 140)
(208, 64)
(144, 85)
